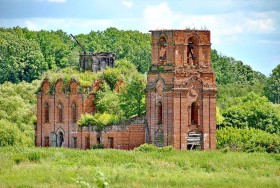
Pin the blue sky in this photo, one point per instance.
(248, 30)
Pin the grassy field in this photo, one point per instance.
(58, 167)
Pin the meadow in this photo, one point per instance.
(142, 167)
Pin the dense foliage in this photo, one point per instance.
(131, 45)
(98, 119)
(272, 88)
(121, 95)
(249, 140)
(20, 59)
(229, 71)
(252, 111)
(17, 113)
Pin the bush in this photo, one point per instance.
(98, 119)
(34, 157)
(151, 147)
(252, 111)
(97, 146)
(248, 140)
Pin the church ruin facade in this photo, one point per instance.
(181, 90)
(180, 100)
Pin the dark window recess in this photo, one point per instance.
(47, 141)
(46, 113)
(192, 52)
(159, 115)
(74, 112)
(162, 49)
(111, 142)
(60, 113)
(98, 140)
(87, 143)
(194, 113)
(75, 142)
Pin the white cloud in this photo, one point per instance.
(230, 25)
(75, 26)
(31, 25)
(159, 16)
(127, 3)
(57, 1)
(277, 42)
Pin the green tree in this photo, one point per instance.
(252, 111)
(249, 140)
(9, 133)
(131, 45)
(17, 113)
(132, 97)
(272, 87)
(20, 59)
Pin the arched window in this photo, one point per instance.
(74, 112)
(194, 113)
(192, 52)
(159, 115)
(47, 113)
(60, 112)
(162, 49)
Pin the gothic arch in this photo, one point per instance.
(60, 137)
(159, 85)
(45, 86)
(193, 50)
(74, 86)
(194, 80)
(162, 43)
(59, 86)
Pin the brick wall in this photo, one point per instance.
(48, 132)
(180, 82)
(175, 82)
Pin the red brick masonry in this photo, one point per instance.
(180, 102)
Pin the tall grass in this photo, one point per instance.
(59, 167)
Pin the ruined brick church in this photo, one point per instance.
(180, 101)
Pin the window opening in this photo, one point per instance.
(194, 113)
(87, 143)
(111, 142)
(75, 142)
(60, 113)
(47, 141)
(159, 115)
(47, 113)
(162, 49)
(74, 112)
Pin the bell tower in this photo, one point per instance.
(181, 90)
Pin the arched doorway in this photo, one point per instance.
(60, 139)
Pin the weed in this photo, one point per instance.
(34, 157)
